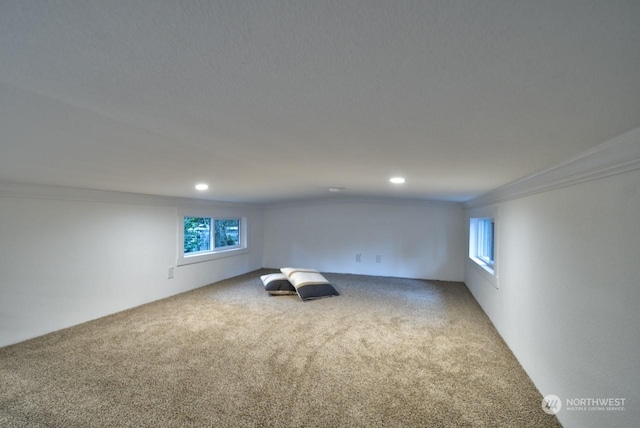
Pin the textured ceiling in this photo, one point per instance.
(279, 100)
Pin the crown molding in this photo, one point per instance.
(37, 191)
(616, 156)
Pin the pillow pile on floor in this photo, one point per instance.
(307, 283)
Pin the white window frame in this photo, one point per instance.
(214, 253)
(480, 260)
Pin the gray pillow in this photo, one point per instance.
(277, 283)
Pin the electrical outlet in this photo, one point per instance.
(378, 258)
(358, 258)
(170, 272)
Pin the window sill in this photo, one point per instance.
(486, 271)
(213, 255)
(483, 265)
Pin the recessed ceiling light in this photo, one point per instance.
(202, 186)
(397, 180)
(336, 189)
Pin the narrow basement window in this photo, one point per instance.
(204, 238)
(482, 243)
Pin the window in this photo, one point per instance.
(227, 233)
(197, 234)
(204, 238)
(482, 243)
(485, 240)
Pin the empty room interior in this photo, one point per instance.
(465, 174)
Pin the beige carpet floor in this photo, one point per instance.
(388, 352)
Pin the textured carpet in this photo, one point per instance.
(388, 352)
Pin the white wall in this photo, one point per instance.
(414, 239)
(568, 302)
(68, 256)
